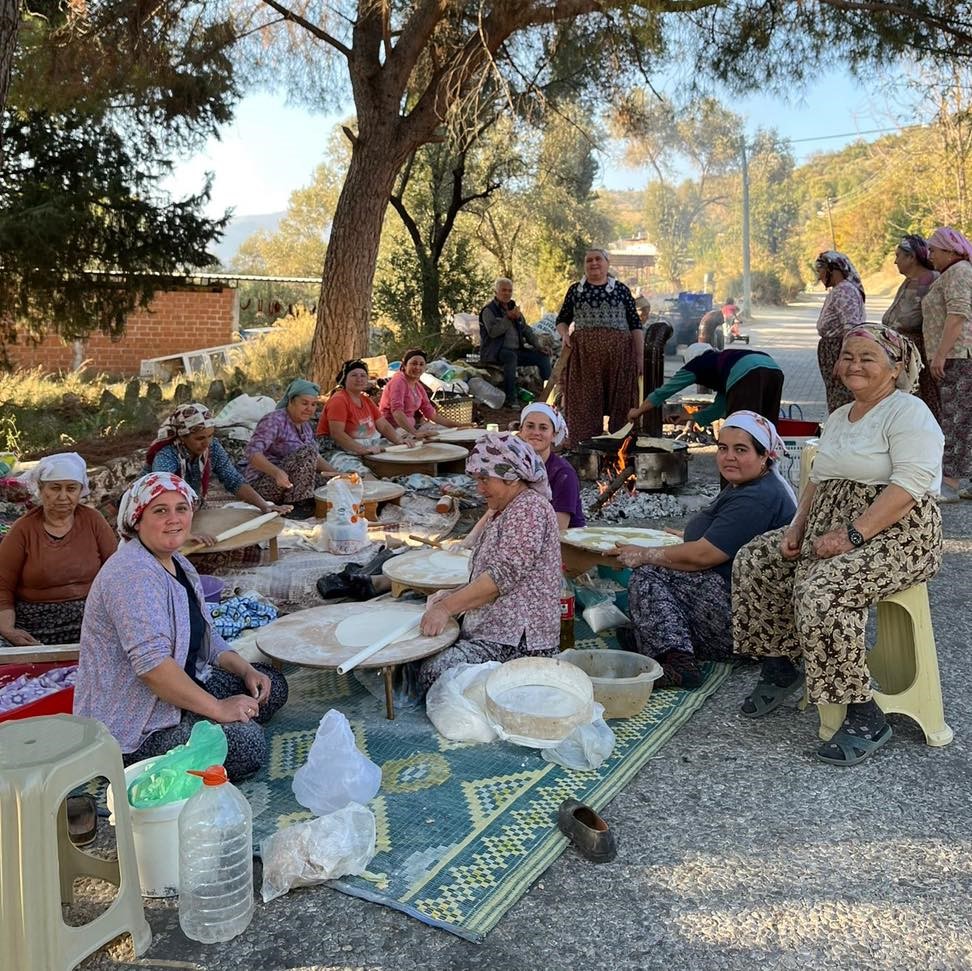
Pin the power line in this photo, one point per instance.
(849, 134)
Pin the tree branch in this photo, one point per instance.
(317, 32)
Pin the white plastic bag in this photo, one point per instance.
(347, 528)
(456, 703)
(586, 747)
(241, 415)
(339, 844)
(335, 772)
(605, 616)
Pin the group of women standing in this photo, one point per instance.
(933, 309)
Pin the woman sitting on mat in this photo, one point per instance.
(187, 447)
(51, 555)
(283, 458)
(405, 402)
(351, 424)
(545, 429)
(151, 664)
(680, 595)
(511, 605)
(867, 526)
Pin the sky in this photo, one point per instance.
(272, 148)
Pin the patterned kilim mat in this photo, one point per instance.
(463, 830)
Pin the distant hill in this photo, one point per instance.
(239, 228)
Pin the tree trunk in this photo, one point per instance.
(344, 310)
(431, 312)
(9, 27)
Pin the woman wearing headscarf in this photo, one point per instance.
(282, 456)
(151, 665)
(544, 428)
(905, 315)
(187, 447)
(947, 321)
(599, 323)
(867, 526)
(511, 605)
(405, 403)
(51, 555)
(351, 424)
(680, 595)
(843, 308)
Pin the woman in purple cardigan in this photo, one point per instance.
(151, 664)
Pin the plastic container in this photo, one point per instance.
(56, 703)
(622, 679)
(155, 833)
(486, 393)
(212, 588)
(567, 606)
(215, 861)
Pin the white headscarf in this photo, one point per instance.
(694, 350)
(64, 466)
(766, 434)
(556, 419)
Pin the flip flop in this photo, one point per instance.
(854, 748)
(767, 697)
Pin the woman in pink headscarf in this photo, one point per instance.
(947, 322)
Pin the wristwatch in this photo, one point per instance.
(855, 535)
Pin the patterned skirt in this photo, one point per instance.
(50, 623)
(927, 385)
(301, 467)
(815, 610)
(956, 418)
(828, 351)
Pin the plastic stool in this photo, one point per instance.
(905, 665)
(41, 761)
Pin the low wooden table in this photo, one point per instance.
(375, 493)
(433, 458)
(412, 571)
(218, 519)
(307, 638)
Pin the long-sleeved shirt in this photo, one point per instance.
(175, 458)
(501, 332)
(36, 567)
(276, 437)
(605, 305)
(843, 308)
(950, 294)
(413, 399)
(136, 617)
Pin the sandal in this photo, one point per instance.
(767, 696)
(852, 748)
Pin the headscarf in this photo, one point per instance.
(917, 247)
(832, 260)
(694, 350)
(505, 456)
(295, 389)
(346, 369)
(766, 434)
(899, 349)
(62, 466)
(556, 419)
(141, 493)
(414, 352)
(952, 240)
(184, 421)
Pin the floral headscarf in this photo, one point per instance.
(766, 434)
(899, 349)
(141, 493)
(62, 466)
(952, 240)
(832, 260)
(296, 388)
(184, 421)
(556, 419)
(505, 456)
(917, 247)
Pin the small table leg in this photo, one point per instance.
(274, 552)
(388, 674)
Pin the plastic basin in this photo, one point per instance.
(622, 679)
(212, 587)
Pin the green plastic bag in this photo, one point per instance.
(167, 780)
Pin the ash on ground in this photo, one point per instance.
(646, 505)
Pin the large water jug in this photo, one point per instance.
(486, 393)
(215, 861)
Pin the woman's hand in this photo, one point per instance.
(203, 539)
(281, 509)
(435, 619)
(832, 544)
(238, 708)
(18, 637)
(937, 367)
(636, 413)
(282, 479)
(258, 684)
(791, 542)
(425, 434)
(675, 532)
(370, 450)
(632, 556)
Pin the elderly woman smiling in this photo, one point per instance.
(51, 555)
(867, 526)
(511, 605)
(151, 664)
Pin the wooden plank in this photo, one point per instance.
(39, 653)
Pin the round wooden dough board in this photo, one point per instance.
(217, 519)
(309, 637)
(460, 436)
(431, 452)
(373, 490)
(428, 569)
(601, 539)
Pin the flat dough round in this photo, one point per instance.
(446, 562)
(365, 628)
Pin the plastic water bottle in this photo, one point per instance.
(215, 861)
(486, 393)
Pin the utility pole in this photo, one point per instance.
(747, 294)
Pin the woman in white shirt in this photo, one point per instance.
(867, 526)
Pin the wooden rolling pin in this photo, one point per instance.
(427, 542)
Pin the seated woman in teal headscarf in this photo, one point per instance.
(282, 457)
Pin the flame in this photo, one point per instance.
(614, 467)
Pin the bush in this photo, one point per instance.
(768, 286)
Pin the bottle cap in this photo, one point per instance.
(215, 775)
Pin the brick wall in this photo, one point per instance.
(176, 321)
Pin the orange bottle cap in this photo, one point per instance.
(215, 775)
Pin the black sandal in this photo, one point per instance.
(767, 696)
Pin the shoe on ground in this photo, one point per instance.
(590, 834)
(965, 489)
(334, 585)
(679, 670)
(82, 814)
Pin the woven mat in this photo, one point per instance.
(463, 830)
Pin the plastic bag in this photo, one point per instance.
(456, 703)
(335, 772)
(167, 780)
(339, 844)
(605, 616)
(586, 747)
(347, 528)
